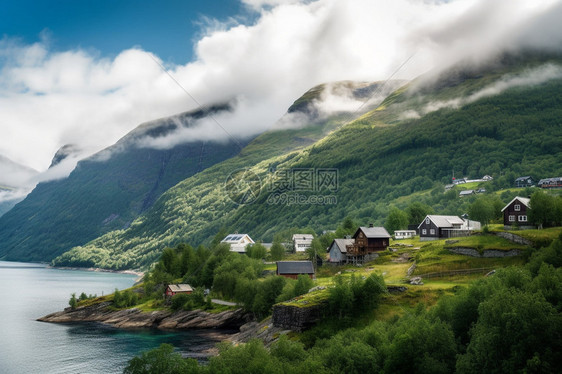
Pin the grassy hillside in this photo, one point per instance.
(380, 158)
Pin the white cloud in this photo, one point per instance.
(53, 98)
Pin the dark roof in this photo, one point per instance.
(373, 232)
(342, 244)
(295, 267)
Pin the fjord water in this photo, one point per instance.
(29, 291)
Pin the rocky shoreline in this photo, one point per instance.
(135, 318)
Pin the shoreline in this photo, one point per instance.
(139, 274)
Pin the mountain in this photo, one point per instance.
(108, 190)
(15, 182)
(502, 119)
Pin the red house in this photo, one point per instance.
(516, 213)
(174, 289)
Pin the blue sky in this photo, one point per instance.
(167, 28)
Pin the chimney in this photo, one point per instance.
(370, 225)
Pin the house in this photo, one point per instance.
(434, 227)
(487, 178)
(174, 289)
(515, 213)
(238, 242)
(524, 181)
(338, 250)
(368, 241)
(550, 182)
(466, 193)
(292, 269)
(301, 242)
(404, 234)
(481, 190)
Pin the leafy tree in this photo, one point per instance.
(544, 209)
(161, 360)
(396, 220)
(417, 212)
(73, 302)
(277, 251)
(256, 250)
(482, 210)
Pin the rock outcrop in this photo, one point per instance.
(135, 318)
(294, 317)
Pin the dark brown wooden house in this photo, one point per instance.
(516, 213)
(292, 269)
(368, 241)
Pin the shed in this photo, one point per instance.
(338, 250)
(174, 289)
(292, 269)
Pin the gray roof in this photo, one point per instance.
(303, 237)
(374, 232)
(180, 288)
(524, 200)
(466, 192)
(342, 244)
(523, 178)
(295, 267)
(443, 221)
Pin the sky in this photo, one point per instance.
(87, 72)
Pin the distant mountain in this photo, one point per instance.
(16, 181)
(107, 191)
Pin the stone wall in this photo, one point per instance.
(514, 238)
(295, 318)
(488, 253)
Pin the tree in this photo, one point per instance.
(417, 212)
(543, 209)
(396, 220)
(277, 251)
(256, 250)
(73, 302)
(482, 209)
(161, 360)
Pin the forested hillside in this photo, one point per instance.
(502, 120)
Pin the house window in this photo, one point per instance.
(432, 231)
(427, 221)
(511, 218)
(517, 207)
(522, 218)
(424, 231)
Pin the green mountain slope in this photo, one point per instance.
(504, 118)
(105, 192)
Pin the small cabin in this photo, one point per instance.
(338, 250)
(302, 242)
(404, 234)
(515, 213)
(292, 269)
(526, 181)
(174, 289)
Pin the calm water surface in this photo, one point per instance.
(29, 291)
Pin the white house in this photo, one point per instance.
(404, 234)
(238, 242)
(301, 242)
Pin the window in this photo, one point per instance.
(432, 231)
(522, 218)
(517, 207)
(424, 231)
(511, 218)
(427, 220)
